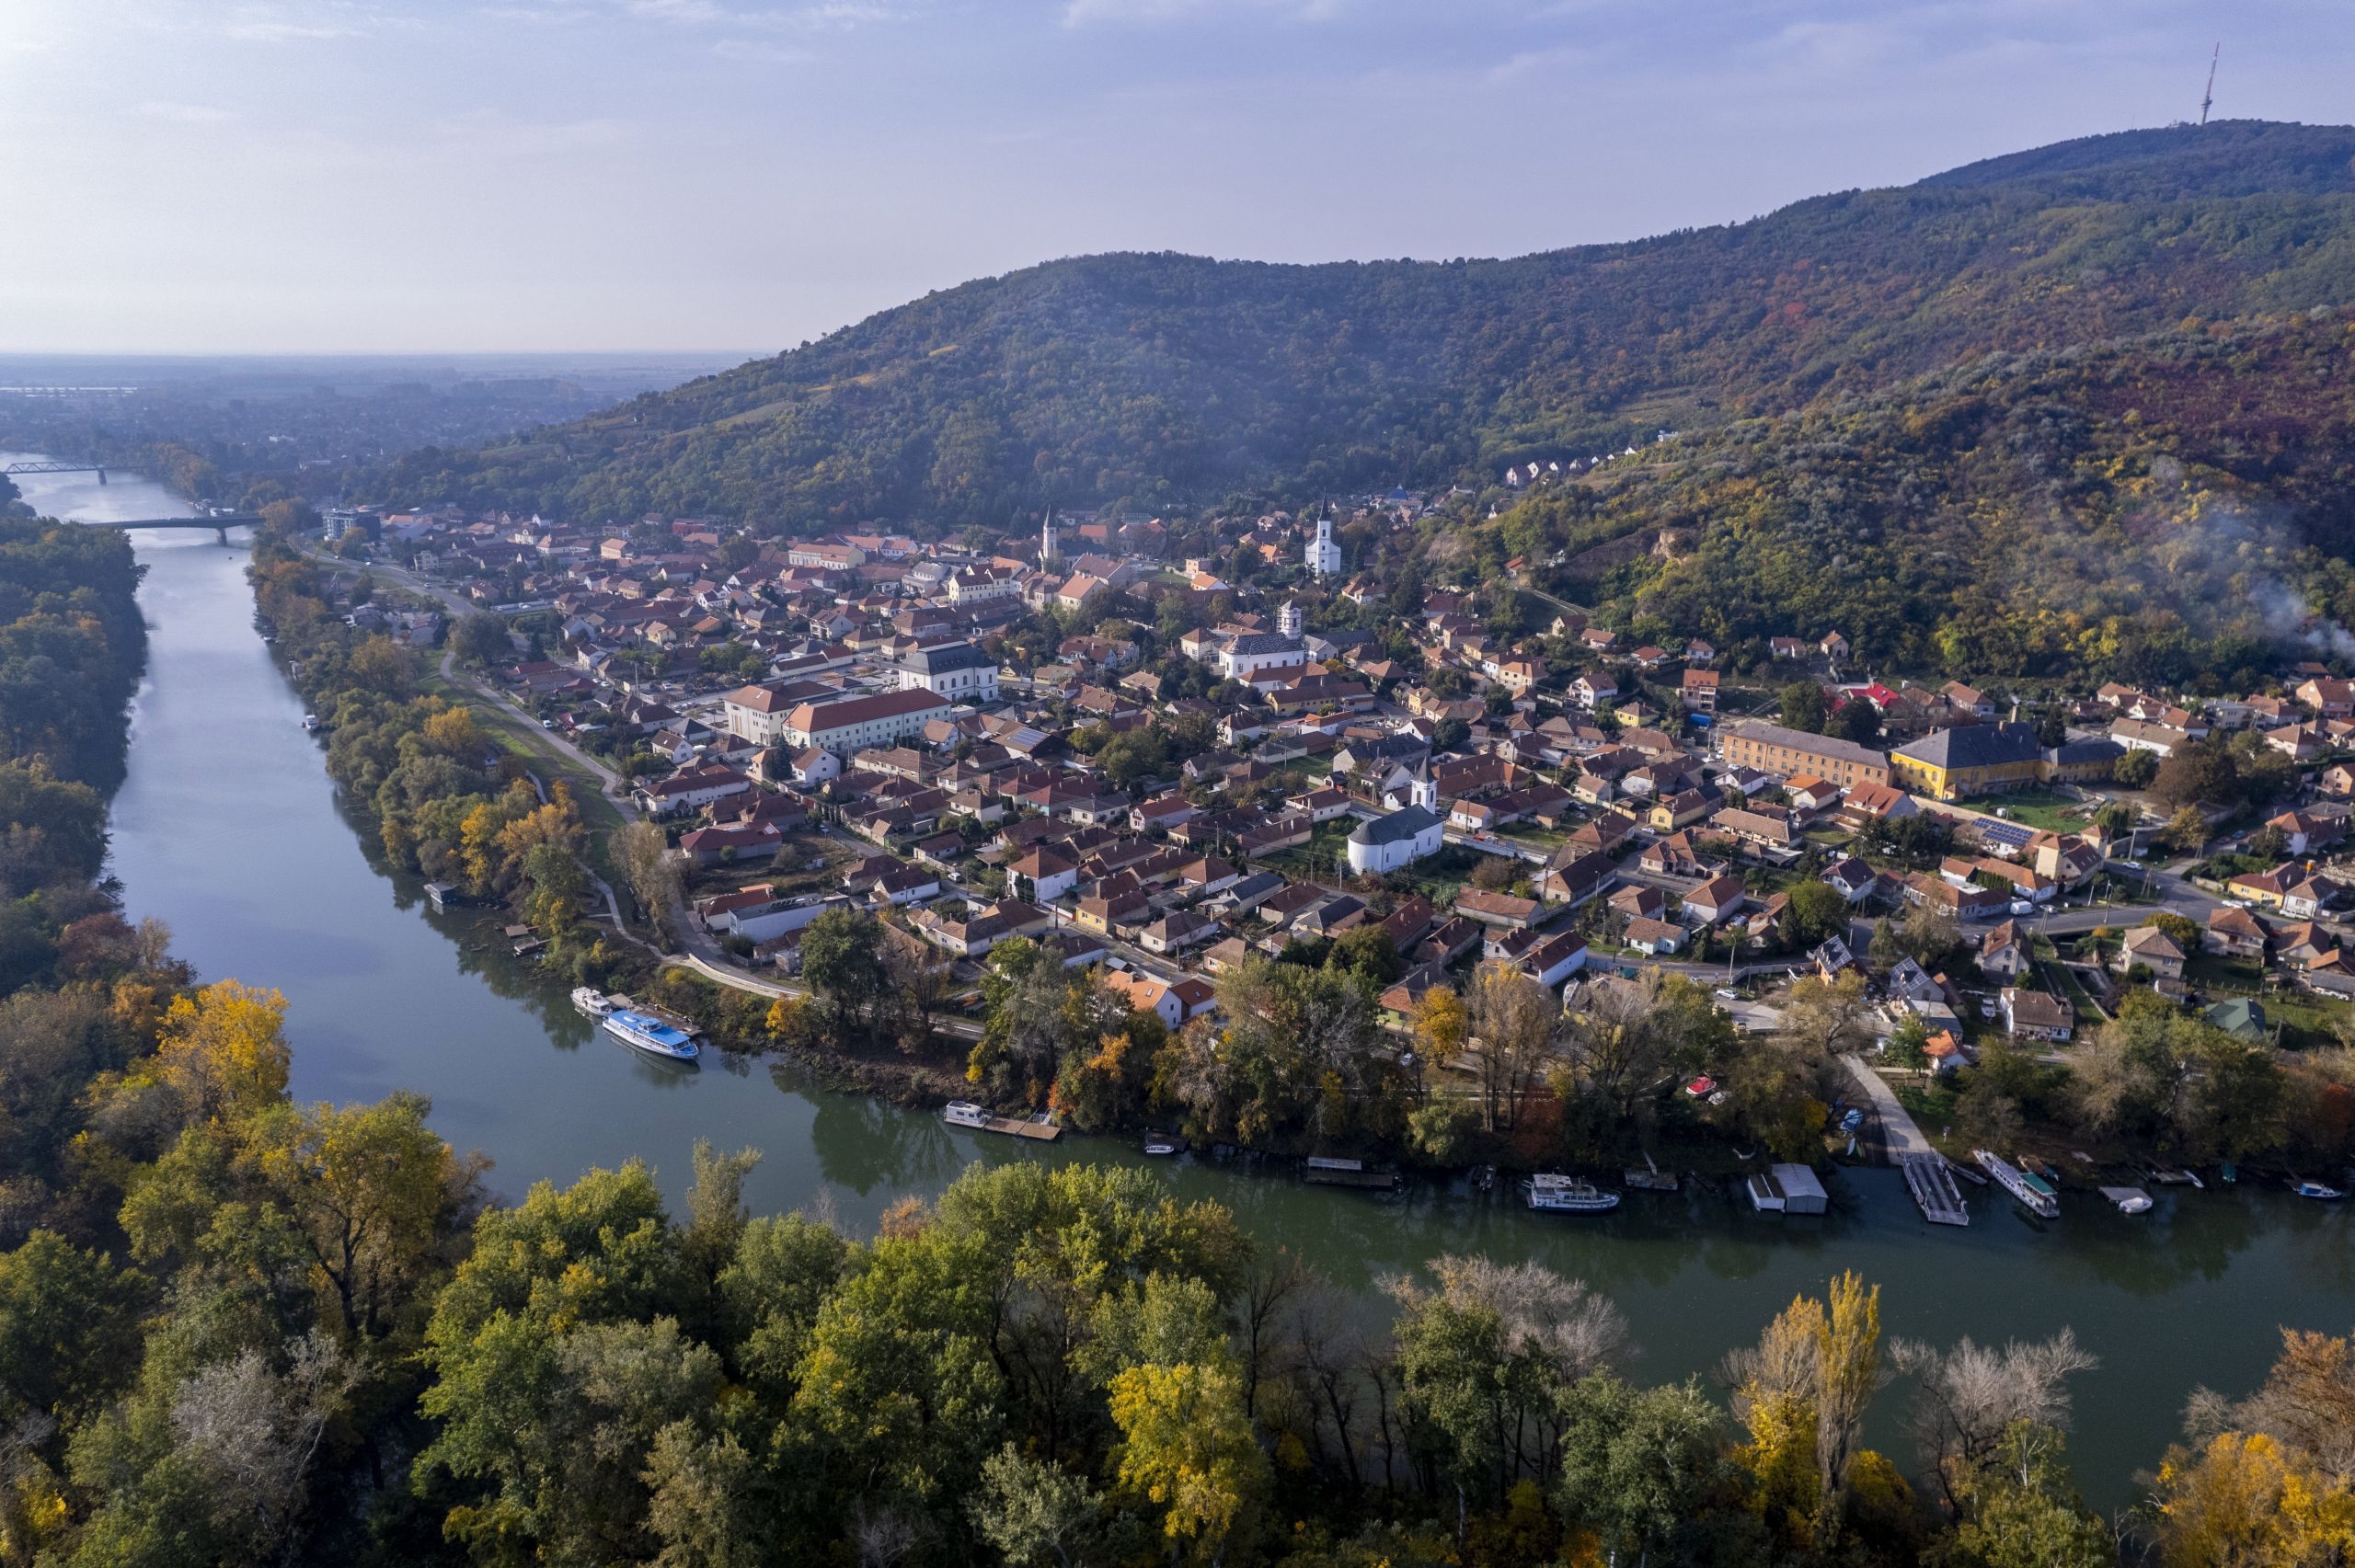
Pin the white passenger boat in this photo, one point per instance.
(311, 721)
(2321, 1192)
(589, 1001)
(964, 1113)
(651, 1036)
(1553, 1194)
(2033, 1192)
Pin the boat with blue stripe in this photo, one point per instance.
(651, 1034)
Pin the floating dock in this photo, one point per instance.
(1931, 1181)
(2170, 1176)
(1650, 1180)
(2129, 1200)
(1319, 1171)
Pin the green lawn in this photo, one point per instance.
(2045, 809)
(2210, 972)
(1931, 1104)
(2076, 995)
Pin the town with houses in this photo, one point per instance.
(1096, 737)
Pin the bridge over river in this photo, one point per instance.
(220, 522)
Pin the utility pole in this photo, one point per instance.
(2209, 96)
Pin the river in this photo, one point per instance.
(228, 828)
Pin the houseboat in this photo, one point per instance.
(1553, 1193)
(2033, 1192)
(590, 1003)
(651, 1036)
(964, 1113)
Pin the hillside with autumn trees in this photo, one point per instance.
(2175, 507)
(1165, 380)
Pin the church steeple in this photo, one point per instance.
(1324, 555)
(1420, 789)
(1047, 539)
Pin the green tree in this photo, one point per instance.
(374, 1195)
(1818, 909)
(69, 1328)
(1034, 1514)
(1804, 706)
(2021, 1511)
(1187, 1448)
(2186, 832)
(480, 638)
(1638, 1463)
(841, 960)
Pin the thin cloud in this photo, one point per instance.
(761, 51)
(186, 113)
(1081, 13)
(822, 15)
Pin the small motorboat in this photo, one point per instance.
(1164, 1147)
(590, 1003)
(2321, 1192)
(311, 723)
(2129, 1200)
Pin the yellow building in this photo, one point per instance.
(1772, 748)
(1988, 759)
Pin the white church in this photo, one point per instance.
(1398, 838)
(1324, 556)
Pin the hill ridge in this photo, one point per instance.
(1161, 378)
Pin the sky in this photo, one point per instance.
(325, 176)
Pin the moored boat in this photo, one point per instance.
(1553, 1194)
(2032, 1193)
(964, 1113)
(589, 1001)
(2321, 1192)
(2129, 1200)
(651, 1036)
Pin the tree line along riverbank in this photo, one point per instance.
(236, 1329)
(1298, 1058)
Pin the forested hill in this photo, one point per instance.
(1163, 379)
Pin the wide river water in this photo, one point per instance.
(229, 829)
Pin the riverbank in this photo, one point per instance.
(228, 828)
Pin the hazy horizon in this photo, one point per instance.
(279, 178)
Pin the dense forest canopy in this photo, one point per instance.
(1164, 378)
(2175, 508)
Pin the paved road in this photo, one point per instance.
(1899, 1134)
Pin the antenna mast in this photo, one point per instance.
(2209, 96)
